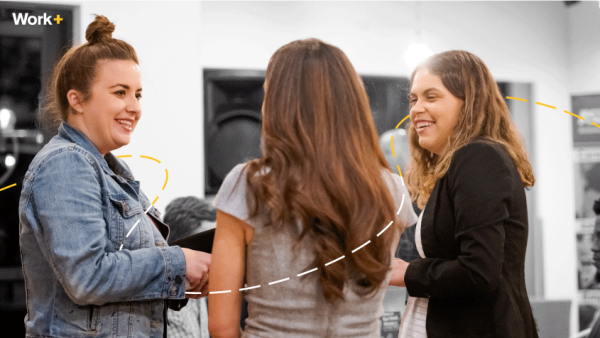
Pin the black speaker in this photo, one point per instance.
(232, 121)
(232, 116)
(388, 100)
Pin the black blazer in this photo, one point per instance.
(474, 235)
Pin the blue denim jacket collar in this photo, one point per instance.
(108, 162)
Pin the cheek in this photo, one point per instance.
(453, 119)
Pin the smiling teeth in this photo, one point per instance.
(127, 124)
(423, 124)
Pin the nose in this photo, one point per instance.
(416, 109)
(134, 106)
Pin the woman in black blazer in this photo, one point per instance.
(468, 170)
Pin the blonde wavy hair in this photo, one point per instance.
(484, 115)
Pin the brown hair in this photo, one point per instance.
(77, 68)
(321, 148)
(484, 115)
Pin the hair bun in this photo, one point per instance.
(100, 29)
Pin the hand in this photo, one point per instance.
(203, 292)
(197, 264)
(398, 271)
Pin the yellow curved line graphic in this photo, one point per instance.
(596, 125)
(399, 172)
(10, 186)
(393, 152)
(166, 180)
(516, 98)
(142, 156)
(150, 158)
(577, 116)
(545, 105)
(404, 119)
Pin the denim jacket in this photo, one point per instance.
(75, 211)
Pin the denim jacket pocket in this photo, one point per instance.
(127, 224)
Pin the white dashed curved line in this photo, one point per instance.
(279, 281)
(307, 272)
(384, 229)
(314, 269)
(401, 204)
(133, 227)
(335, 260)
(250, 287)
(360, 247)
(136, 223)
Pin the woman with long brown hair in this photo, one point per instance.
(468, 171)
(308, 231)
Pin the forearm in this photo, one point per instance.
(226, 332)
(440, 278)
(150, 273)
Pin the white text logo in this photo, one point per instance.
(26, 19)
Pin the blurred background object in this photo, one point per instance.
(27, 53)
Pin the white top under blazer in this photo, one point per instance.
(413, 320)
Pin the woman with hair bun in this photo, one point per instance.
(468, 173)
(93, 248)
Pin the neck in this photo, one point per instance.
(76, 121)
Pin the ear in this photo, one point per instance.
(75, 99)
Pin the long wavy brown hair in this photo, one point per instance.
(321, 147)
(484, 115)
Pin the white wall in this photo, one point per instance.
(519, 41)
(584, 49)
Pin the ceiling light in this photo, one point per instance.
(416, 53)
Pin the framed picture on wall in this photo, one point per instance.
(585, 133)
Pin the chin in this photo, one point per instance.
(425, 146)
(122, 142)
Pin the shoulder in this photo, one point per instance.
(484, 162)
(395, 184)
(231, 197)
(483, 148)
(235, 178)
(401, 197)
(61, 156)
(480, 154)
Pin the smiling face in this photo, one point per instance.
(113, 109)
(434, 111)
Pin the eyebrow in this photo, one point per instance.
(124, 86)
(426, 91)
